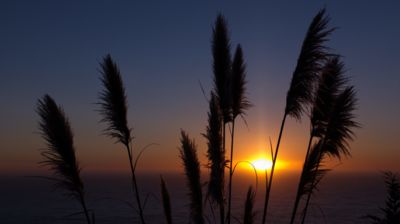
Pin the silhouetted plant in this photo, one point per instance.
(222, 66)
(330, 83)
(114, 110)
(59, 155)
(188, 153)
(166, 202)
(238, 107)
(313, 53)
(249, 214)
(391, 211)
(339, 131)
(311, 175)
(216, 155)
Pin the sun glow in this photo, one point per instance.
(262, 164)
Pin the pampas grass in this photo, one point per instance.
(391, 211)
(338, 132)
(114, 109)
(330, 83)
(216, 156)
(59, 155)
(222, 66)
(191, 164)
(313, 53)
(239, 104)
(249, 214)
(166, 202)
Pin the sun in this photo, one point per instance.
(262, 164)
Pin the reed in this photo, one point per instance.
(216, 156)
(330, 83)
(249, 214)
(114, 109)
(166, 202)
(222, 66)
(339, 131)
(239, 104)
(59, 155)
(191, 164)
(391, 211)
(313, 53)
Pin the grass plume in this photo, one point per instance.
(166, 202)
(59, 155)
(238, 97)
(239, 104)
(114, 109)
(191, 164)
(330, 83)
(391, 211)
(339, 131)
(300, 94)
(249, 214)
(216, 155)
(312, 56)
(222, 66)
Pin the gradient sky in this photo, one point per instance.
(163, 50)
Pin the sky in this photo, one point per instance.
(163, 49)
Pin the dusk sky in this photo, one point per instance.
(163, 49)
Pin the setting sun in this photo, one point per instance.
(262, 164)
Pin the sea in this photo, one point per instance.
(341, 198)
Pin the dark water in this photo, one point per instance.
(342, 198)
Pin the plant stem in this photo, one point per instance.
(313, 182)
(222, 212)
(296, 203)
(223, 148)
(268, 187)
(83, 203)
(134, 185)
(230, 173)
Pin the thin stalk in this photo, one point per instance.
(298, 196)
(231, 173)
(222, 212)
(134, 185)
(312, 183)
(308, 198)
(84, 207)
(221, 208)
(268, 187)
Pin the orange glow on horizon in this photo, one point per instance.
(262, 164)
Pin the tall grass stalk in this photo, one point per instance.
(249, 214)
(330, 83)
(59, 155)
(312, 55)
(114, 108)
(222, 76)
(166, 202)
(216, 156)
(239, 104)
(391, 211)
(191, 164)
(339, 131)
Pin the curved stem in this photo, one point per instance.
(268, 187)
(231, 173)
(134, 185)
